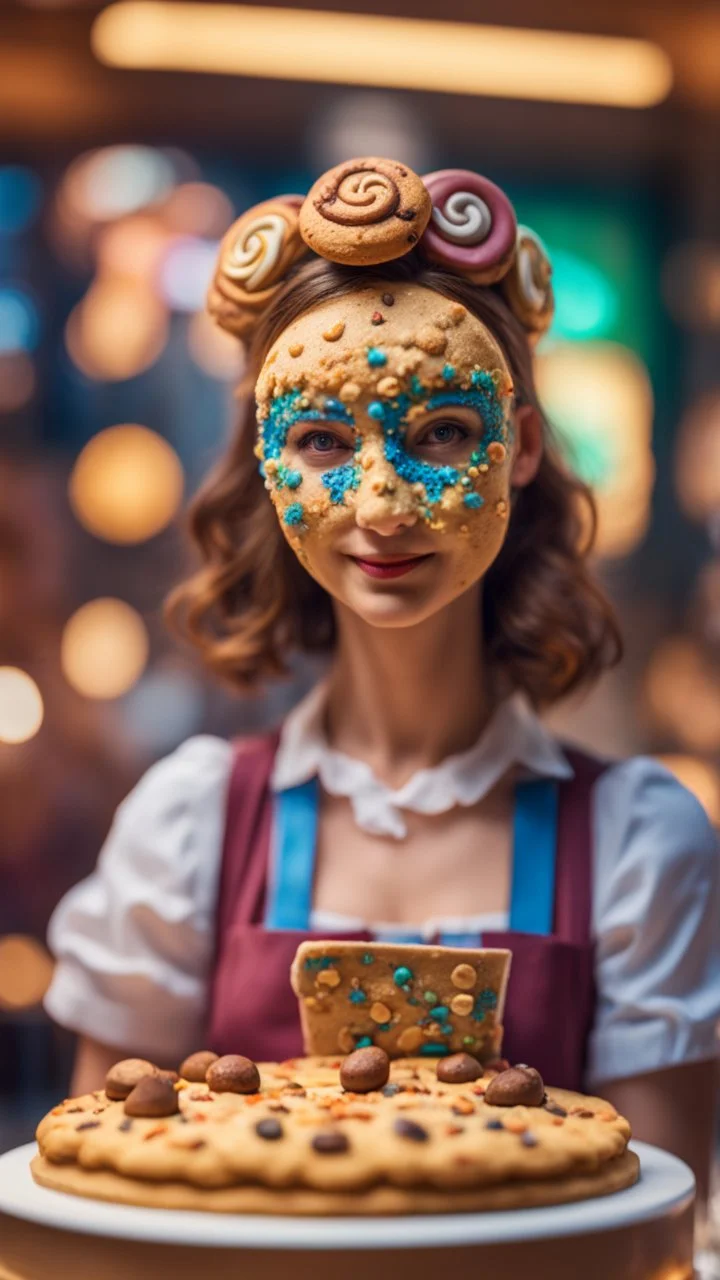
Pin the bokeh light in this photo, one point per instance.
(697, 458)
(691, 284)
(163, 709)
(132, 246)
(127, 484)
(20, 196)
(113, 181)
(17, 381)
(187, 271)
(104, 648)
(198, 209)
(25, 971)
(216, 352)
(599, 399)
(21, 706)
(19, 320)
(586, 300)
(682, 690)
(118, 329)
(700, 777)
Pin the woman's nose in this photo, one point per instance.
(384, 503)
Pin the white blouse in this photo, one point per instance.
(135, 940)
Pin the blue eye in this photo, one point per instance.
(444, 433)
(320, 442)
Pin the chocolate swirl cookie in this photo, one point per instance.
(365, 211)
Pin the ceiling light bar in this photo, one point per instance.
(399, 53)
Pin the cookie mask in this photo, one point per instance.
(388, 409)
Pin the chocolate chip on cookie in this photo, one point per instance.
(459, 1068)
(365, 1070)
(152, 1098)
(405, 1128)
(172, 1077)
(123, 1076)
(233, 1074)
(330, 1143)
(269, 1129)
(519, 1086)
(195, 1067)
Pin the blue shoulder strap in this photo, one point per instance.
(293, 865)
(532, 895)
(532, 898)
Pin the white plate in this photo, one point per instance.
(666, 1185)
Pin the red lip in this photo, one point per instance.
(390, 567)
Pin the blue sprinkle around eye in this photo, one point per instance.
(335, 406)
(473, 500)
(357, 997)
(448, 372)
(341, 479)
(294, 513)
(293, 479)
(376, 410)
(376, 358)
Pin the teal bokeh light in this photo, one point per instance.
(586, 300)
(20, 196)
(19, 321)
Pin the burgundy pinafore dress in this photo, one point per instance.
(550, 1003)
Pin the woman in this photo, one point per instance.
(425, 535)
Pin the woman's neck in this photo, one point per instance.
(405, 698)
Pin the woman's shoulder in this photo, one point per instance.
(646, 819)
(195, 774)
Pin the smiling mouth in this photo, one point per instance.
(389, 566)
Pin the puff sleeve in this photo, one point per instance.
(134, 941)
(656, 919)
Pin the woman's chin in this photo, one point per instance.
(390, 607)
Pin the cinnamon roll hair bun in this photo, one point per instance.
(254, 258)
(365, 211)
(528, 284)
(473, 227)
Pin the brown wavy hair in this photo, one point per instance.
(546, 623)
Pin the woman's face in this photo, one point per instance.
(386, 445)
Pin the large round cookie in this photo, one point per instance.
(303, 1145)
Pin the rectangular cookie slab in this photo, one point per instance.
(408, 999)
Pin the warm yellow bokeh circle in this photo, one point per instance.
(104, 648)
(21, 706)
(25, 971)
(127, 484)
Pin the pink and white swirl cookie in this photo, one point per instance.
(255, 255)
(473, 227)
(528, 284)
(365, 211)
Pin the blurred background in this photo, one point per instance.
(130, 135)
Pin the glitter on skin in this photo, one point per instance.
(482, 397)
(341, 479)
(472, 374)
(286, 410)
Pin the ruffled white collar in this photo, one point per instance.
(514, 736)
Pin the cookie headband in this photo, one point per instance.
(369, 211)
